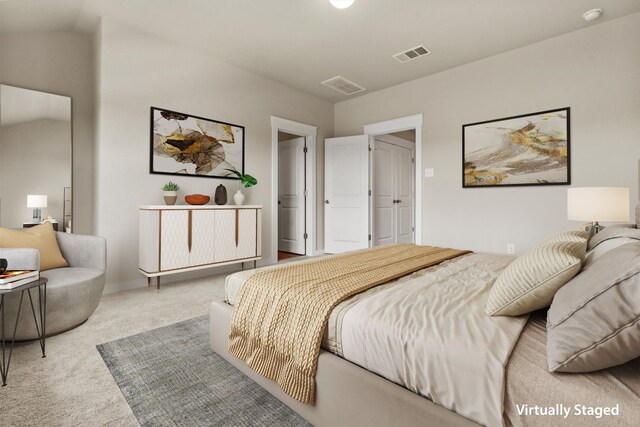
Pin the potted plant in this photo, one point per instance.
(246, 180)
(170, 193)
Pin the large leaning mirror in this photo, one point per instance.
(35, 158)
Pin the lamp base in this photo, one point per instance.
(37, 216)
(593, 228)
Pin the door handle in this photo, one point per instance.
(279, 202)
(397, 201)
(326, 202)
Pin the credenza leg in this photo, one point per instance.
(148, 282)
(158, 284)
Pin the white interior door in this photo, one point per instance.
(346, 209)
(405, 195)
(393, 191)
(383, 193)
(291, 203)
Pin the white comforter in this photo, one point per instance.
(429, 333)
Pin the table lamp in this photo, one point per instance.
(37, 201)
(594, 204)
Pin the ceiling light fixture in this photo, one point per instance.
(341, 4)
(592, 15)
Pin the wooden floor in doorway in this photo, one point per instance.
(286, 255)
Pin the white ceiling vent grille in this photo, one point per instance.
(343, 85)
(413, 53)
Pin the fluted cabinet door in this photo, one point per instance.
(246, 233)
(203, 240)
(174, 239)
(225, 232)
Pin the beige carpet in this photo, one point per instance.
(72, 386)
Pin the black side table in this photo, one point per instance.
(41, 284)
(33, 224)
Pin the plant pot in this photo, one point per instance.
(170, 197)
(238, 197)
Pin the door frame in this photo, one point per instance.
(310, 133)
(397, 125)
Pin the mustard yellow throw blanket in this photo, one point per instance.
(281, 313)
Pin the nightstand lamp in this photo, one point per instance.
(37, 202)
(594, 204)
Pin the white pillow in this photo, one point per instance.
(530, 282)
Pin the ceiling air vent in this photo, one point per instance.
(413, 53)
(343, 85)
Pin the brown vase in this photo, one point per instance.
(221, 195)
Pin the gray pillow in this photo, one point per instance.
(594, 320)
(613, 232)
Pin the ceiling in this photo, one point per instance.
(303, 42)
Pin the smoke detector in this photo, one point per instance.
(413, 53)
(344, 86)
(592, 15)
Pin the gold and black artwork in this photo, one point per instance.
(531, 149)
(182, 144)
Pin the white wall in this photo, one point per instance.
(595, 71)
(137, 71)
(35, 158)
(60, 63)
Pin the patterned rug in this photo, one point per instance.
(170, 377)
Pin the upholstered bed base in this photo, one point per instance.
(346, 395)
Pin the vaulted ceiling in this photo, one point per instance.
(303, 42)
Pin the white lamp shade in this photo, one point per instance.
(605, 204)
(36, 201)
(341, 4)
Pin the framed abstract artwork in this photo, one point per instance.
(530, 149)
(182, 144)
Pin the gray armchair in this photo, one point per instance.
(73, 293)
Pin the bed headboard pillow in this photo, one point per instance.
(594, 320)
(608, 239)
(568, 236)
(529, 282)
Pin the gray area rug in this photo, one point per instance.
(170, 377)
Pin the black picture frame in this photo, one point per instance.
(476, 174)
(172, 153)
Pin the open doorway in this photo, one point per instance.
(348, 213)
(292, 191)
(393, 188)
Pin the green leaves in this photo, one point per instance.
(170, 186)
(246, 180)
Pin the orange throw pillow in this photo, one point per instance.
(41, 237)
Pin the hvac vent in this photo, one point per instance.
(343, 85)
(412, 53)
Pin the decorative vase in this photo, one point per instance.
(170, 197)
(221, 195)
(238, 197)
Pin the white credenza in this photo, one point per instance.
(176, 239)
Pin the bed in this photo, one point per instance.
(348, 394)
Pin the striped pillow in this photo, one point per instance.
(568, 236)
(530, 282)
